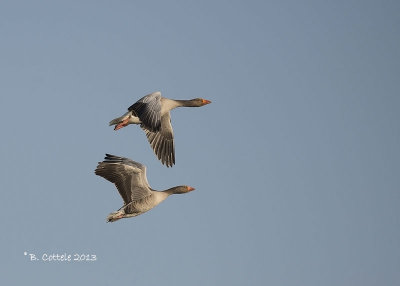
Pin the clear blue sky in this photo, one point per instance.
(295, 163)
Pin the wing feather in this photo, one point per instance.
(128, 176)
(148, 109)
(162, 141)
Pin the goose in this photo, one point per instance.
(152, 112)
(131, 181)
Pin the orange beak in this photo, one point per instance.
(190, 188)
(205, 101)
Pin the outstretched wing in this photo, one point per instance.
(128, 176)
(162, 141)
(148, 109)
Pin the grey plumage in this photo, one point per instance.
(152, 112)
(131, 181)
(148, 109)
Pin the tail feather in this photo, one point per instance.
(114, 216)
(119, 119)
(115, 121)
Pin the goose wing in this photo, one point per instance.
(128, 176)
(148, 109)
(162, 141)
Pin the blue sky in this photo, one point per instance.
(295, 163)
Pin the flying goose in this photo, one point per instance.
(130, 179)
(152, 112)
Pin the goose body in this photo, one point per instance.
(131, 181)
(152, 112)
